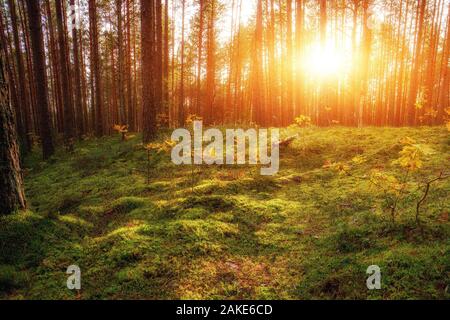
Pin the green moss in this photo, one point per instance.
(227, 232)
(11, 279)
(353, 240)
(127, 204)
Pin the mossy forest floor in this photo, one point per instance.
(228, 232)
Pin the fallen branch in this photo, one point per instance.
(287, 142)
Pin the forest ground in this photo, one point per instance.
(227, 232)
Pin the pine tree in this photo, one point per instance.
(11, 182)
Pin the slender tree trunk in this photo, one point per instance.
(366, 48)
(357, 62)
(95, 69)
(199, 57)
(166, 101)
(299, 98)
(56, 88)
(130, 112)
(84, 85)
(414, 84)
(32, 116)
(257, 94)
(321, 91)
(272, 92)
(76, 58)
(158, 59)
(289, 65)
(34, 16)
(65, 74)
(25, 108)
(238, 69)
(181, 111)
(211, 65)
(148, 58)
(120, 62)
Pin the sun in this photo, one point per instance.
(324, 61)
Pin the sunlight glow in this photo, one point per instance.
(324, 61)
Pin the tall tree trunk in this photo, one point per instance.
(322, 90)
(25, 108)
(289, 65)
(65, 74)
(37, 43)
(11, 181)
(159, 59)
(399, 115)
(257, 94)
(166, 101)
(365, 57)
(181, 111)
(84, 85)
(444, 99)
(211, 65)
(56, 83)
(130, 111)
(198, 107)
(148, 57)
(228, 109)
(414, 84)
(273, 105)
(76, 59)
(238, 68)
(120, 62)
(32, 116)
(353, 117)
(12, 77)
(95, 69)
(299, 98)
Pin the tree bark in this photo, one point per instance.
(148, 56)
(130, 111)
(257, 94)
(37, 43)
(120, 62)
(181, 111)
(76, 58)
(211, 66)
(198, 107)
(22, 92)
(11, 181)
(95, 69)
(414, 84)
(65, 74)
